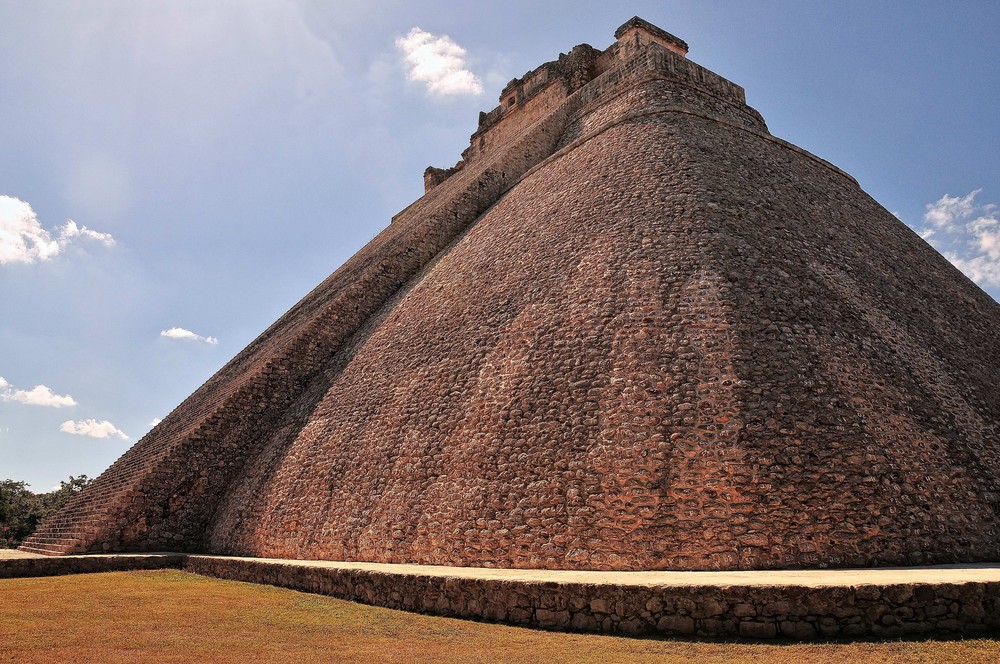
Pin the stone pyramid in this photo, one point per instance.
(630, 330)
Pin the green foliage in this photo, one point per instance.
(21, 510)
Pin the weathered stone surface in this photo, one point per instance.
(797, 629)
(676, 625)
(621, 609)
(552, 619)
(630, 330)
(583, 622)
(600, 605)
(758, 630)
(33, 567)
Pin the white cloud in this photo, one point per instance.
(968, 234)
(24, 240)
(986, 231)
(39, 395)
(437, 62)
(70, 230)
(92, 428)
(155, 421)
(944, 212)
(186, 335)
(980, 269)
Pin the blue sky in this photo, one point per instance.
(175, 175)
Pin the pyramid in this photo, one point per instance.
(629, 330)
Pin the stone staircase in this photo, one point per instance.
(68, 532)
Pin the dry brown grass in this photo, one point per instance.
(169, 616)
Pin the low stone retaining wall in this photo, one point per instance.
(751, 611)
(13, 568)
(794, 612)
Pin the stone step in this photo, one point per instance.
(72, 522)
(57, 541)
(42, 548)
(61, 532)
(76, 518)
(80, 523)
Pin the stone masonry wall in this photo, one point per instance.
(747, 611)
(759, 612)
(23, 568)
(541, 91)
(642, 334)
(162, 493)
(540, 105)
(676, 344)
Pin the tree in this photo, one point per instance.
(21, 510)
(54, 500)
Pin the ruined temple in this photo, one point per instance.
(630, 329)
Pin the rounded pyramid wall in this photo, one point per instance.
(631, 330)
(680, 344)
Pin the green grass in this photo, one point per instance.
(170, 616)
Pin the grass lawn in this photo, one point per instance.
(170, 616)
